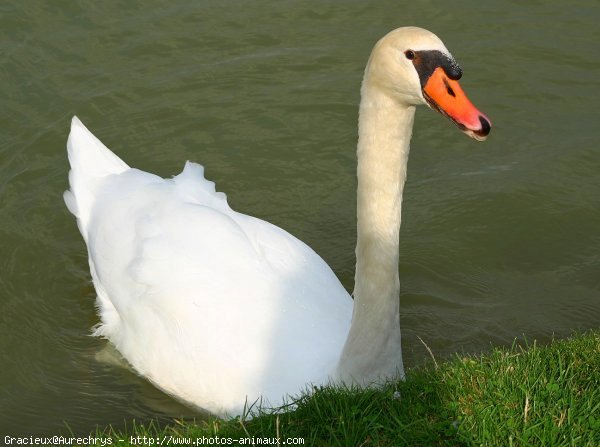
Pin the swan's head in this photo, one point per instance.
(413, 66)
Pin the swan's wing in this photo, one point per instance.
(199, 297)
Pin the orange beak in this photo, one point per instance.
(446, 96)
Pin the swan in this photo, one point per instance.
(220, 309)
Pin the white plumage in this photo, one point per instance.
(221, 309)
(211, 305)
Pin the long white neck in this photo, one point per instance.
(373, 349)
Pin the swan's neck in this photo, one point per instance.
(373, 349)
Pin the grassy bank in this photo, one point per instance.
(539, 396)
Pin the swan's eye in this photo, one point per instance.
(410, 54)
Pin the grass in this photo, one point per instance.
(532, 396)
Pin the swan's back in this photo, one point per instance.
(211, 305)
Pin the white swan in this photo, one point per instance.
(218, 308)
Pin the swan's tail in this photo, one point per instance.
(90, 161)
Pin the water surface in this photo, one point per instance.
(499, 240)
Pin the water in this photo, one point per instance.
(499, 239)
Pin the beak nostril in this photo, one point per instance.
(448, 88)
(485, 126)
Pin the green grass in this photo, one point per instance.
(534, 396)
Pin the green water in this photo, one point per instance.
(499, 239)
